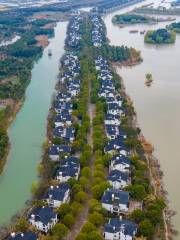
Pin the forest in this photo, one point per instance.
(130, 19)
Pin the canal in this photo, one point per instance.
(28, 131)
(157, 107)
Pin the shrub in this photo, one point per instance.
(63, 210)
(59, 230)
(68, 220)
(88, 227)
(96, 219)
(80, 197)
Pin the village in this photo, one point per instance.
(116, 201)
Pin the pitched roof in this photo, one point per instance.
(56, 149)
(43, 214)
(112, 196)
(58, 192)
(23, 236)
(117, 175)
(117, 225)
(120, 159)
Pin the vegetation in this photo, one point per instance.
(174, 27)
(160, 36)
(149, 79)
(130, 19)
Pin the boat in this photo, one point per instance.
(49, 52)
(142, 32)
(133, 31)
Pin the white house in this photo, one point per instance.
(111, 119)
(120, 162)
(69, 168)
(119, 229)
(115, 201)
(57, 195)
(56, 150)
(43, 218)
(118, 179)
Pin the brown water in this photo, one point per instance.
(157, 107)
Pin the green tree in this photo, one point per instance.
(68, 220)
(146, 228)
(137, 191)
(59, 230)
(22, 225)
(137, 215)
(63, 210)
(81, 236)
(96, 219)
(76, 208)
(88, 227)
(80, 197)
(86, 172)
(94, 235)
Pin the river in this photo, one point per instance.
(157, 107)
(28, 131)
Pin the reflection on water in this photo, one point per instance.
(158, 106)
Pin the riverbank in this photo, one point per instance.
(16, 107)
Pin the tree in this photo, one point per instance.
(154, 215)
(146, 228)
(86, 172)
(59, 230)
(80, 197)
(95, 206)
(138, 215)
(88, 227)
(68, 220)
(81, 236)
(34, 187)
(99, 189)
(137, 191)
(77, 188)
(94, 235)
(96, 219)
(22, 225)
(84, 183)
(63, 210)
(76, 208)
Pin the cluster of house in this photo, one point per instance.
(73, 33)
(44, 218)
(97, 31)
(115, 200)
